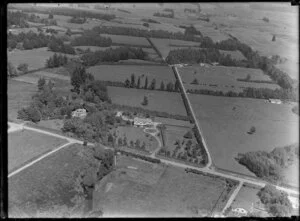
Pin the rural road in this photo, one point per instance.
(232, 197)
(194, 118)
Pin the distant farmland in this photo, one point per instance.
(169, 102)
(223, 78)
(123, 72)
(225, 122)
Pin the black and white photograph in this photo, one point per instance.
(152, 109)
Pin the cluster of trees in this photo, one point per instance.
(260, 93)
(133, 84)
(191, 30)
(200, 145)
(276, 201)
(209, 55)
(136, 145)
(72, 12)
(149, 20)
(123, 10)
(269, 165)
(38, 19)
(27, 40)
(12, 71)
(57, 45)
(77, 20)
(113, 55)
(56, 60)
(91, 38)
(254, 60)
(145, 33)
(146, 24)
(158, 14)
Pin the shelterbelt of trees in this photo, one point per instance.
(146, 33)
(210, 54)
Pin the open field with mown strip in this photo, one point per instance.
(35, 58)
(123, 72)
(27, 191)
(146, 189)
(24, 146)
(225, 122)
(165, 45)
(223, 78)
(169, 102)
(18, 96)
(128, 40)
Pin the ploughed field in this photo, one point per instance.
(140, 188)
(25, 146)
(222, 78)
(162, 101)
(123, 72)
(225, 122)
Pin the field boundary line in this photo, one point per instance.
(233, 196)
(38, 159)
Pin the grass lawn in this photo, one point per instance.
(137, 133)
(223, 78)
(123, 72)
(172, 192)
(169, 102)
(48, 181)
(18, 95)
(35, 58)
(130, 40)
(27, 145)
(225, 127)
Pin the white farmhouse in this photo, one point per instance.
(275, 101)
(81, 113)
(142, 121)
(240, 211)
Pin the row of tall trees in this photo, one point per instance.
(261, 93)
(57, 45)
(56, 60)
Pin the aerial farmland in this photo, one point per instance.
(152, 110)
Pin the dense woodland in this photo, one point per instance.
(270, 165)
(113, 55)
(276, 201)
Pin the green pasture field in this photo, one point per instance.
(223, 78)
(123, 72)
(225, 122)
(18, 96)
(35, 58)
(24, 146)
(27, 190)
(169, 102)
(172, 192)
(128, 40)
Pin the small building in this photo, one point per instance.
(142, 121)
(119, 114)
(81, 113)
(275, 101)
(294, 201)
(239, 211)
